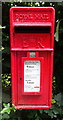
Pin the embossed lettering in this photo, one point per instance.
(41, 17)
(25, 44)
(23, 17)
(39, 45)
(33, 42)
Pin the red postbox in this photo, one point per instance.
(32, 46)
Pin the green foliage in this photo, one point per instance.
(10, 113)
(6, 49)
(5, 52)
(58, 29)
(6, 111)
(53, 101)
(6, 80)
(57, 32)
(54, 85)
(2, 27)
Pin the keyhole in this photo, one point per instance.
(20, 78)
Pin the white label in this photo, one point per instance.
(32, 76)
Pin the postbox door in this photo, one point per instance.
(37, 97)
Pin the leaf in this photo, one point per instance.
(5, 116)
(41, 111)
(6, 105)
(37, 118)
(6, 50)
(46, 110)
(2, 27)
(2, 48)
(55, 116)
(13, 108)
(53, 101)
(55, 111)
(0, 117)
(57, 32)
(6, 109)
(59, 99)
(49, 112)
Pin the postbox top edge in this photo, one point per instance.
(32, 8)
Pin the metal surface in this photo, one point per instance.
(32, 39)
